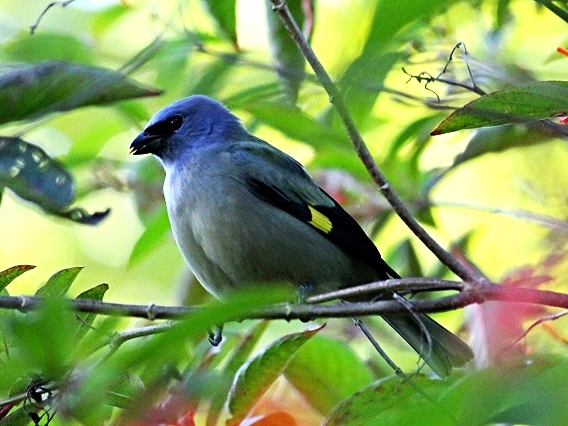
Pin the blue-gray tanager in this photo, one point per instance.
(243, 212)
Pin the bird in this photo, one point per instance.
(243, 212)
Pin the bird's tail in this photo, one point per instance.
(439, 348)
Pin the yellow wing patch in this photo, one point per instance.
(320, 221)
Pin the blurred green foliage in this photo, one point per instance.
(74, 94)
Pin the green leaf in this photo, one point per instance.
(522, 391)
(214, 77)
(237, 359)
(31, 91)
(533, 389)
(517, 104)
(392, 17)
(286, 56)
(498, 139)
(168, 61)
(297, 125)
(124, 393)
(326, 371)
(225, 16)
(86, 320)
(157, 228)
(364, 78)
(59, 283)
(165, 348)
(257, 376)
(44, 338)
(392, 402)
(45, 46)
(362, 83)
(105, 19)
(416, 133)
(34, 176)
(10, 274)
(251, 95)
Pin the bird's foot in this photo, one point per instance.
(302, 294)
(215, 335)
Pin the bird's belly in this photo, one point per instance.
(232, 242)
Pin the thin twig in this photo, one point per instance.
(538, 322)
(429, 78)
(117, 339)
(547, 221)
(279, 6)
(403, 285)
(49, 6)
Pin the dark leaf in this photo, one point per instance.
(20, 417)
(34, 176)
(517, 104)
(10, 274)
(54, 86)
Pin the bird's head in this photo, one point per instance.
(184, 126)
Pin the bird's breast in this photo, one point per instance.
(231, 239)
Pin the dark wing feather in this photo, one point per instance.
(281, 181)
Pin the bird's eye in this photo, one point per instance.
(175, 122)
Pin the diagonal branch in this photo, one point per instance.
(335, 97)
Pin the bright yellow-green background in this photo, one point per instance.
(531, 178)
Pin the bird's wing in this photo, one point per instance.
(281, 181)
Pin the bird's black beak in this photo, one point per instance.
(145, 143)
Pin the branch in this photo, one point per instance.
(402, 286)
(468, 295)
(151, 311)
(335, 97)
(558, 11)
